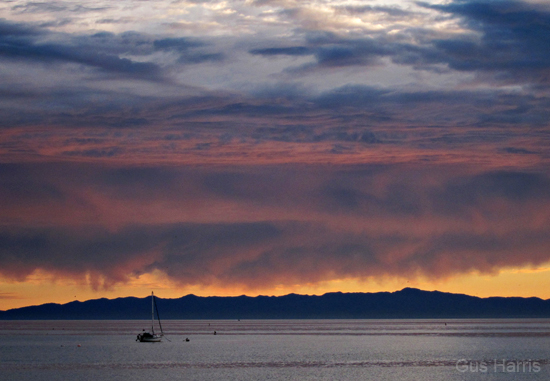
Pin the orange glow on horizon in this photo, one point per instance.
(40, 288)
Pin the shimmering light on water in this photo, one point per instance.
(278, 350)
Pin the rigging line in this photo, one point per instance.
(158, 316)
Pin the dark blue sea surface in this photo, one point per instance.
(277, 350)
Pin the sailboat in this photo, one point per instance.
(151, 337)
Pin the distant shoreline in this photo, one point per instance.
(408, 303)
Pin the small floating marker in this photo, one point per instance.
(78, 345)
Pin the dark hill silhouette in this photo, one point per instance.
(407, 303)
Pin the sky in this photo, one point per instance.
(267, 147)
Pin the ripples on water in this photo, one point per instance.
(278, 349)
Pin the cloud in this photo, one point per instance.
(480, 191)
(330, 50)
(273, 142)
(236, 127)
(518, 150)
(58, 6)
(106, 52)
(514, 42)
(17, 44)
(501, 41)
(184, 46)
(11, 29)
(167, 60)
(289, 51)
(296, 226)
(178, 44)
(360, 9)
(96, 153)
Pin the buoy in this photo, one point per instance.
(78, 345)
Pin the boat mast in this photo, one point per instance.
(158, 318)
(152, 313)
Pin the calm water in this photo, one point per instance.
(278, 350)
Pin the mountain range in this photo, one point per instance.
(407, 303)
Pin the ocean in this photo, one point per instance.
(503, 349)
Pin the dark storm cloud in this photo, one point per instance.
(330, 50)
(49, 7)
(288, 114)
(362, 256)
(11, 29)
(461, 195)
(439, 107)
(515, 39)
(186, 48)
(75, 106)
(509, 40)
(17, 42)
(104, 51)
(517, 186)
(177, 44)
(184, 250)
(280, 225)
(435, 254)
(399, 199)
(362, 52)
(20, 184)
(288, 51)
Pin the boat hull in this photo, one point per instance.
(148, 338)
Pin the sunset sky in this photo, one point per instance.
(273, 146)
